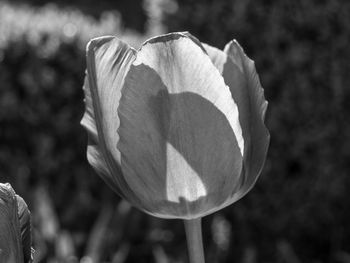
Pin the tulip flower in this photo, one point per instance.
(15, 227)
(177, 127)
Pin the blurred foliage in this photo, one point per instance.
(132, 11)
(299, 209)
(301, 49)
(47, 28)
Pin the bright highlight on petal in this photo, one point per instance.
(182, 180)
(180, 70)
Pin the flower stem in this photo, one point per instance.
(193, 230)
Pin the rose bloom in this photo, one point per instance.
(177, 127)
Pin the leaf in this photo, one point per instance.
(15, 227)
(26, 229)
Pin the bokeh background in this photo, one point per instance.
(299, 210)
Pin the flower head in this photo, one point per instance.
(177, 127)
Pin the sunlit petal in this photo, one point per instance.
(108, 60)
(184, 67)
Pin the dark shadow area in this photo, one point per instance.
(298, 210)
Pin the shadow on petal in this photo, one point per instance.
(179, 153)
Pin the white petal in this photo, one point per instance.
(188, 72)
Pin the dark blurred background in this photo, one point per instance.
(299, 210)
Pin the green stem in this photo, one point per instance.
(194, 240)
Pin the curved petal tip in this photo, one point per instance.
(96, 42)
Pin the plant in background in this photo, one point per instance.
(177, 127)
(15, 227)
